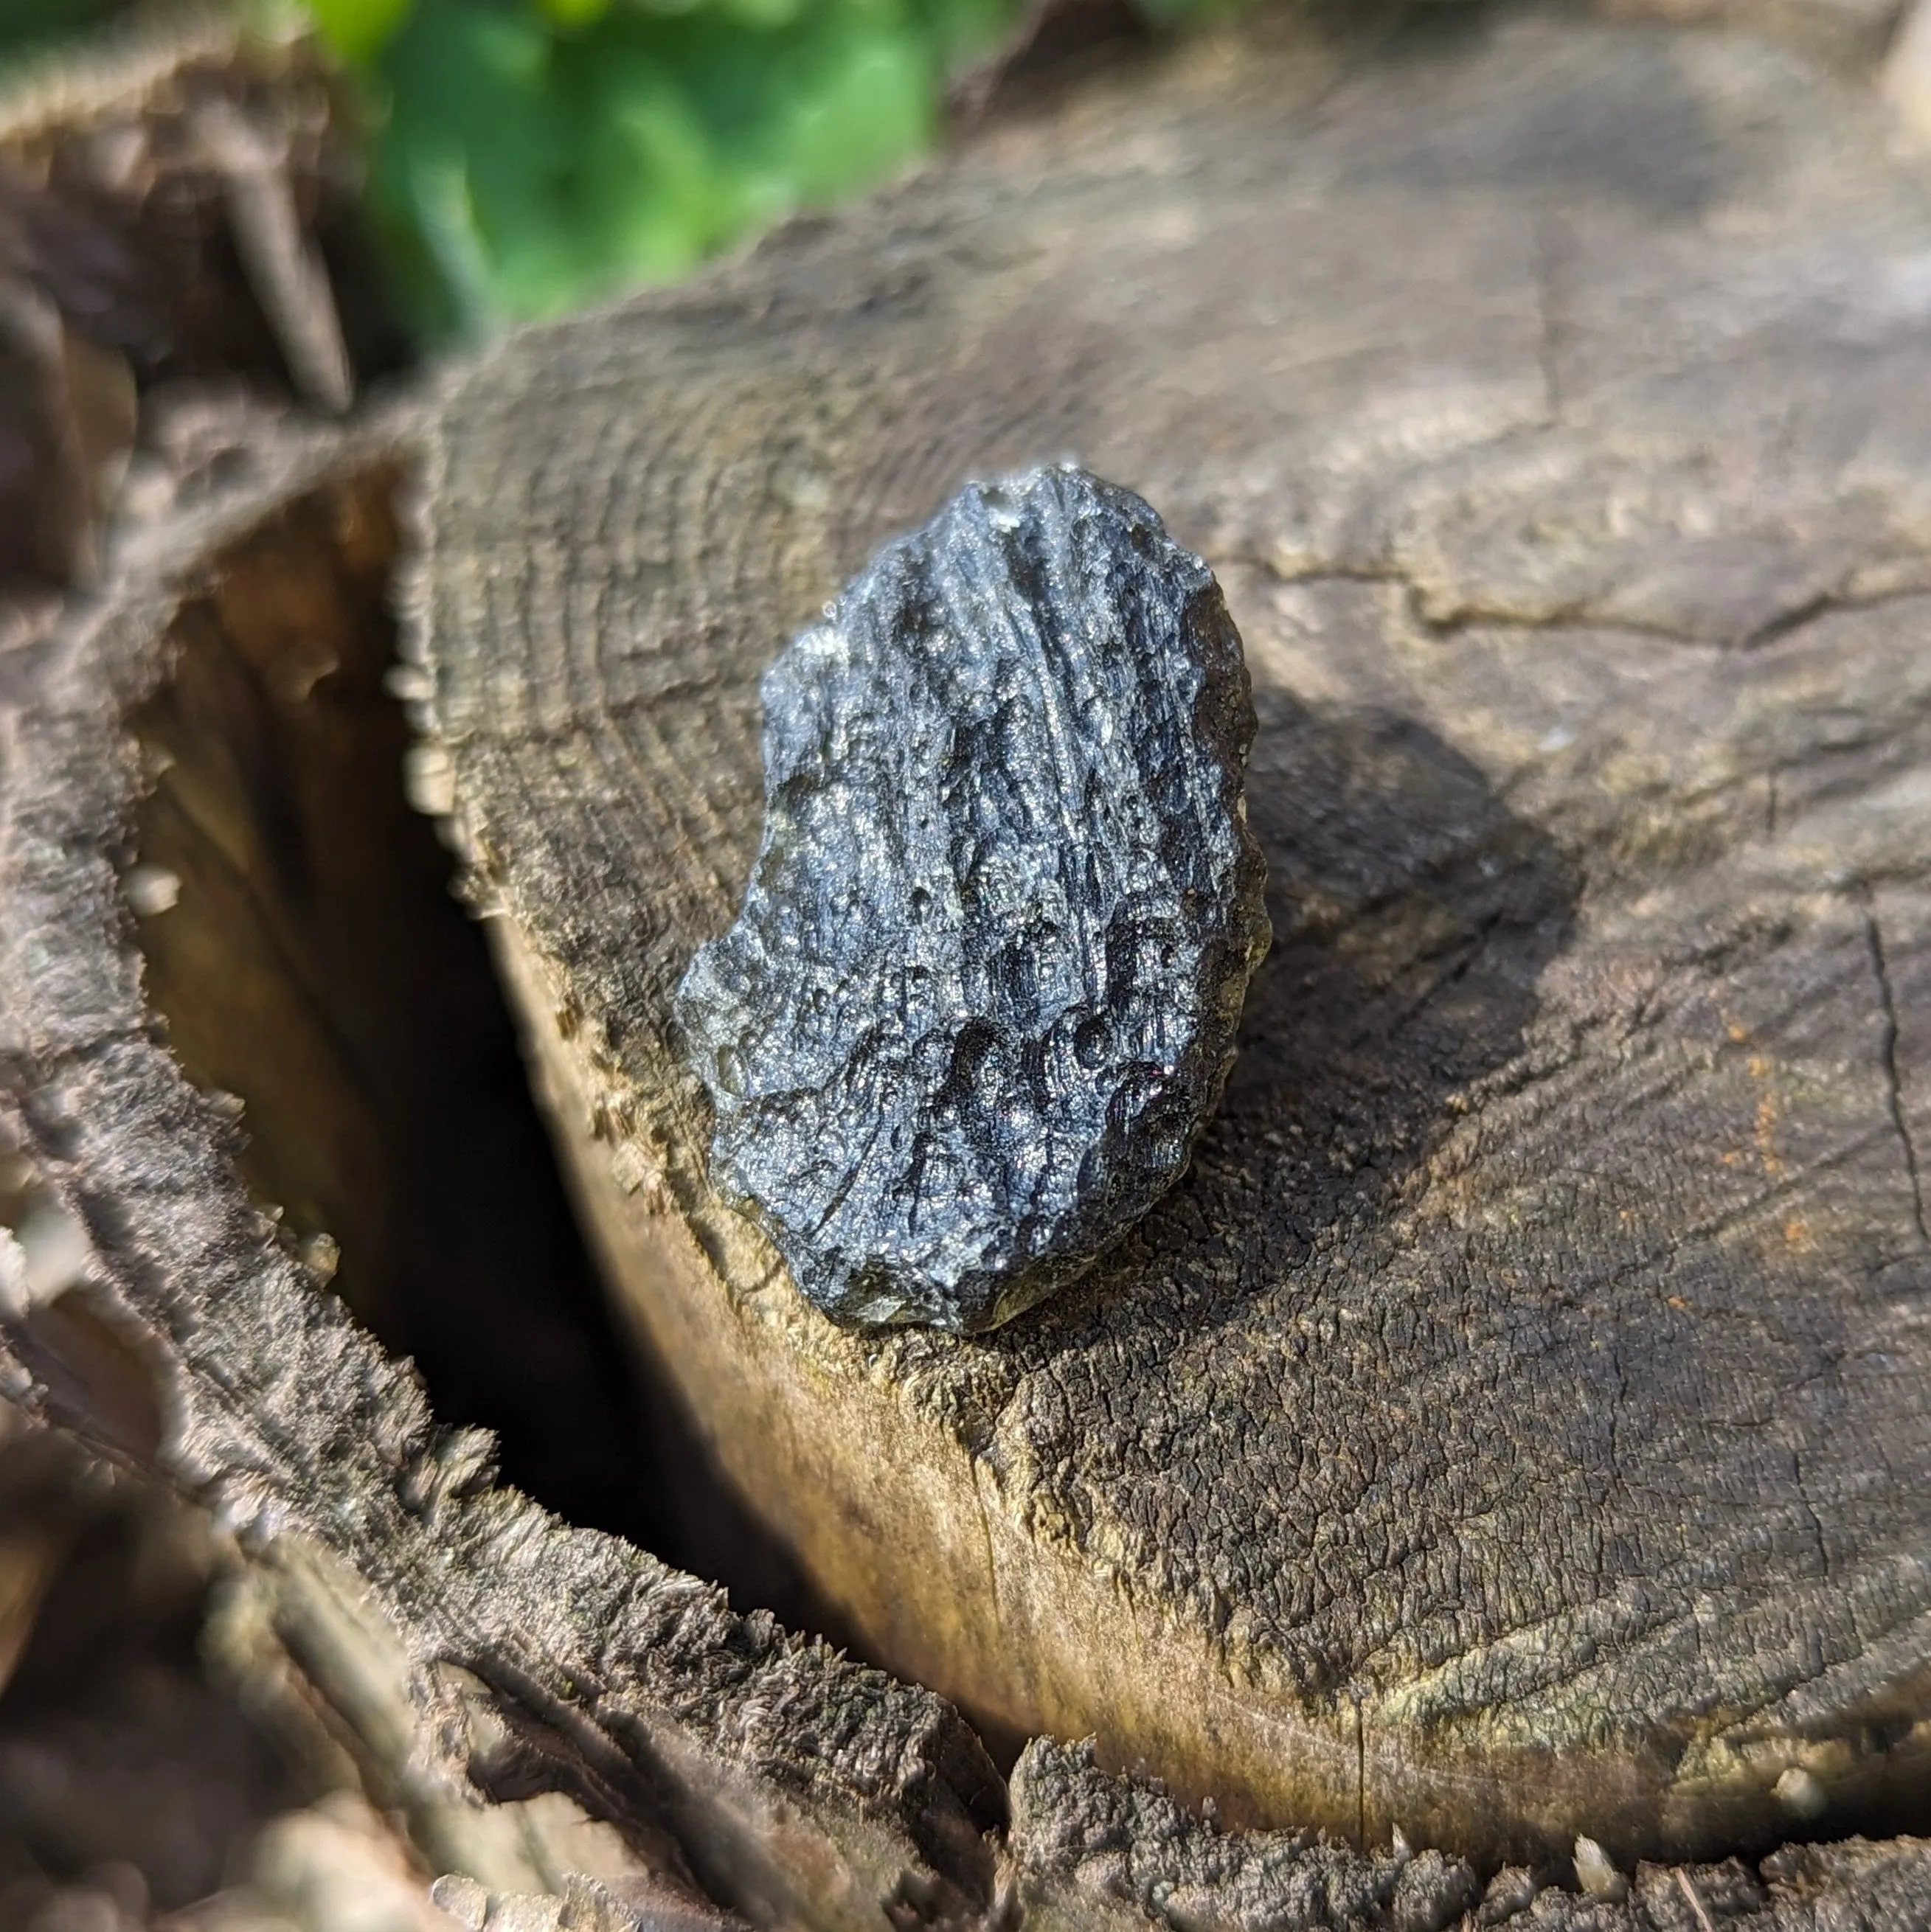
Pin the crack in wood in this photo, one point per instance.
(1887, 1058)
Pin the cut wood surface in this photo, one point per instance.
(488, 1675)
(1516, 1425)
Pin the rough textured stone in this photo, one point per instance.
(983, 992)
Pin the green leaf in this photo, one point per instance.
(648, 194)
(865, 105)
(536, 154)
(767, 14)
(964, 30)
(475, 156)
(358, 30)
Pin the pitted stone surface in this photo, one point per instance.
(984, 989)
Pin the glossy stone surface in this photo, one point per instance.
(983, 992)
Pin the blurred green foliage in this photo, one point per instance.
(533, 154)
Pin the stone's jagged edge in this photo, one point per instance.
(774, 1760)
(983, 993)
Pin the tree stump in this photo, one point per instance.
(1515, 1425)
(468, 1656)
(1501, 803)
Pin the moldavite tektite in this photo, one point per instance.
(983, 992)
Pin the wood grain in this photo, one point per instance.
(423, 1608)
(1516, 1425)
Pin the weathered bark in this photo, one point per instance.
(409, 1591)
(177, 213)
(1516, 1424)
(1089, 1850)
